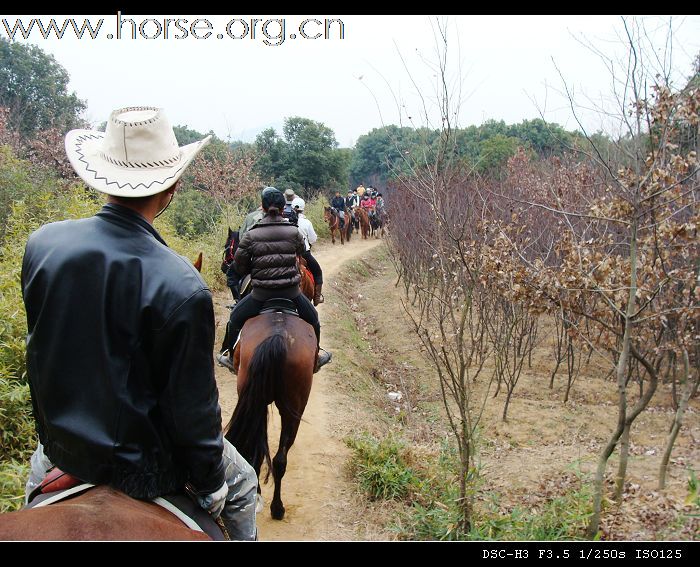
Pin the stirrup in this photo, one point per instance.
(322, 359)
(224, 359)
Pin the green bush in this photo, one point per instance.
(17, 435)
(562, 517)
(314, 212)
(382, 469)
(429, 490)
(193, 213)
(13, 477)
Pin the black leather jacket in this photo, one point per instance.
(120, 356)
(338, 203)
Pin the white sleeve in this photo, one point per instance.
(312, 233)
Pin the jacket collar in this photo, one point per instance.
(267, 219)
(124, 216)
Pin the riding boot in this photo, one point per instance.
(322, 359)
(318, 297)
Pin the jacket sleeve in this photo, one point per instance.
(312, 234)
(189, 398)
(242, 257)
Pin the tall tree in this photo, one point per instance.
(310, 152)
(307, 156)
(34, 87)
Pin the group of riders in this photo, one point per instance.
(368, 199)
(274, 274)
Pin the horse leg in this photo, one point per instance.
(290, 426)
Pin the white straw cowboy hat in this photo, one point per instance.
(136, 156)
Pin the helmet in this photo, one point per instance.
(298, 203)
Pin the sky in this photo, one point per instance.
(381, 72)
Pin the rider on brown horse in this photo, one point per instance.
(268, 251)
(121, 333)
(306, 228)
(338, 203)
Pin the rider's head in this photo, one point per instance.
(289, 195)
(272, 201)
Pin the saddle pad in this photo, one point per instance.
(52, 497)
(192, 515)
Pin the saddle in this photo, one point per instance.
(59, 485)
(280, 305)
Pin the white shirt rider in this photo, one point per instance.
(305, 227)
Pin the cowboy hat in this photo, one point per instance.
(136, 156)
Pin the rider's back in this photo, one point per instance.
(108, 396)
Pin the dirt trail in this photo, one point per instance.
(313, 490)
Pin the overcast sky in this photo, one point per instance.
(237, 87)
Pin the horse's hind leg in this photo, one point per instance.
(290, 426)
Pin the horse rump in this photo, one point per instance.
(247, 430)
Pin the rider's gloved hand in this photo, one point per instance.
(214, 502)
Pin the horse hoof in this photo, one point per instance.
(277, 512)
(259, 503)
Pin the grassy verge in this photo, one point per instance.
(427, 487)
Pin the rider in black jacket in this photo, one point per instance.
(338, 203)
(121, 335)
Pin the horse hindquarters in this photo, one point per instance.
(247, 430)
(271, 371)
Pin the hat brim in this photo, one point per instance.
(83, 150)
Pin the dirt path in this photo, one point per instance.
(314, 490)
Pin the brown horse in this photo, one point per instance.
(364, 221)
(346, 231)
(307, 283)
(333, 221)
(275, 358)
(101, 513)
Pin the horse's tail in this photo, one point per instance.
(247, 430)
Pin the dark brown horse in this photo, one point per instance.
(364, 221)
(333, 221)
(275, 358)
(346, 231)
